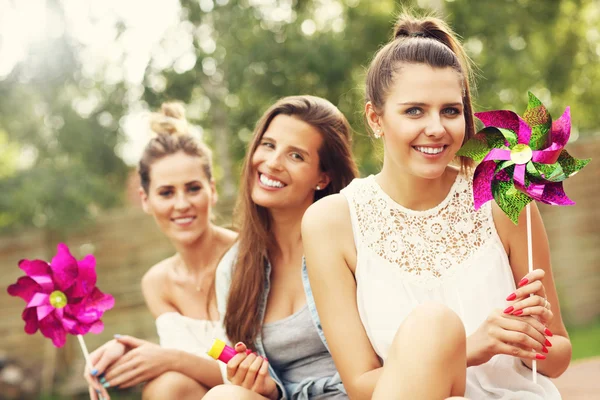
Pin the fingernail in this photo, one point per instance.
(102, 380)
(94, 372)
(548, 343)
(544, 349)
(523, 282)
(511, 297)
(508, 310)
(540, 356)
(106, 384)
(518, 312)
(117, 336)
(547, 332)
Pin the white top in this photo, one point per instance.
(450, 254)
(194, 336)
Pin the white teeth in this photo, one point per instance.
(270, 182)
(183, 220)
(430, 150)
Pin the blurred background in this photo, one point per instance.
(78, 78)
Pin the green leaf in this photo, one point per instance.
(480, 145)
(509, 199)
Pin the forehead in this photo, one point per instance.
(177, 169)
(424, 84)
(288, 130)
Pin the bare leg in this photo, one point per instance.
(173, 386)
(230, 392)
(427, 359)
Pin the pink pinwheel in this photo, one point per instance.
(61, 297)
(522, 159)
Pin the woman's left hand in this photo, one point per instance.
(144, 362)
(530, 298)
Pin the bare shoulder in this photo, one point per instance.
(330, 214)
(154, 279)
(228, 235)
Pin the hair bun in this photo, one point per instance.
(170, 120)
(410, 27)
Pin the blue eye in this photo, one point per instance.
(165, 193)
(268, 144)
(414, 111)
(451, 111)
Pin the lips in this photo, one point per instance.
(183, 220)
(430, 150)
(270, 181)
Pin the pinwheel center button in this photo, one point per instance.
(58, 299)
(521, 154)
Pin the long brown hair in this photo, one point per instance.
(256, 240)
(429, 41)
(172, 136)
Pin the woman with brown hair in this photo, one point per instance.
(415, 285)
(178, 190)
(299, 154)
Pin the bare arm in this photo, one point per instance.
(330, 258)
(514, 238)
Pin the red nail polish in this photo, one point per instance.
(540, 356)
(544, 349)
(548, 343)
(547, 332)
(511, 297)
(509, 310)
(518, 312)
(523, 282)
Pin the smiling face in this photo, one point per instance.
(286, 165)
(180, 197)
(422, 122)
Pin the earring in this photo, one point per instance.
(318, 187)
(377, 134)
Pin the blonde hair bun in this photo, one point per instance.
(170, 120)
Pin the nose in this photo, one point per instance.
(435, 128)
(274, 161)
(181, 202)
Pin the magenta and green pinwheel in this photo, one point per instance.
(61, 297)
(521, 159)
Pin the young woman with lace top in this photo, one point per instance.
(420, 295)
(178, 190)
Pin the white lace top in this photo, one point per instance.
(449, 254)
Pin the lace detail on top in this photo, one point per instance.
(427, 245)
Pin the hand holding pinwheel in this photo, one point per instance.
(520, 160)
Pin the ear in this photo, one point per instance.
(324, 180)
(373, 119)
(213, 190)
(144, 198)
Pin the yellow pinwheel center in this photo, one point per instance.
(58, 299)
(521, 154)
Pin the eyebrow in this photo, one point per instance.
(411, 103)
(293, 148)
(186, 184)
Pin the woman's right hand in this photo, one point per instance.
(502, 333)
(102, 358)
(251, 372)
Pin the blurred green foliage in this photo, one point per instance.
(257, 52)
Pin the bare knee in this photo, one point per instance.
(434, 323)
(172, 385)
(227, 392)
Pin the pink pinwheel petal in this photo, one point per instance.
(29, 315)
(71, 326)
(64, 267)
(482, 183)
(45, 282)
(554, 194)
(100, 301)
(25, 288)
(60, 312)
(508, 120)
(89, 316)
(498, 155)
(35, 267)
(39, 299)
(52, 328)
(43, 312)
(535, 190)
(547, 156)
(97, 327)
(561, 129)
(86, 279)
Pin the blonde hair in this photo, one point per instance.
(172, 135)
